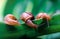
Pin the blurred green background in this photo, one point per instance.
(17, 7)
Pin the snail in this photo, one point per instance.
(43, 16)
(27, 17)
(11, 20)
(45, 23)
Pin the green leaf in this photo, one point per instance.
(50, 36)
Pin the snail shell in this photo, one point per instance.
(27, 15)
(43, 15)
(10, 20)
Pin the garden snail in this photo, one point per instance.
(43, 16)
(10, 20)
(27, 17)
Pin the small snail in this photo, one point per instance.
(10, 20)
(27, 17)
(43, 16)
